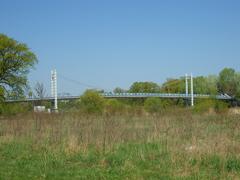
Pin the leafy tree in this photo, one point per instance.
(227, 82)
(205, 85)
(119, 90)
(174, 86)
(92, 102)
(212, 84)
(16, 60)
(144, 87)
(237, 78)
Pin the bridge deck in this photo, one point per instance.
(129, 95)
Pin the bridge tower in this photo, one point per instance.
(186, 83)
(186, 89)
(54, 90)
(192, 95)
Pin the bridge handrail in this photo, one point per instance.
(134, 95)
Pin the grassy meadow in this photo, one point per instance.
(176, 144)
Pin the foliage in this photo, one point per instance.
(205, 85)
(114, 106)
(14, 108)
(92, 102)
(153, 105)
(221, 106)
(173, 86)
(66, 106)
(237, 76)
(144, 87)
(228, 82)
(206, 105)
(119, 90)
(15, 61)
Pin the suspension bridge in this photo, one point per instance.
(188, 96)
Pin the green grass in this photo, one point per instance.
(128, 161)
(123, 147)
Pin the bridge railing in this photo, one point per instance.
(165, 95)
(130, 95)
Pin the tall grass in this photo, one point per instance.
(175, 144)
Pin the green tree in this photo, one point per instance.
(238, 86)
(227, 82)
(16, 60)
(144, 87)
(173, 86)
(92, 102)
(205, 85)
(119, 90)
(212, 84)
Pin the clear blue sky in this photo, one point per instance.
(109, 43)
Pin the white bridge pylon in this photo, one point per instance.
(186, 82)
(54, 89)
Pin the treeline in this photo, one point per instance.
(91, 102)
(227, 82)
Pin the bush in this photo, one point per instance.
(14, 108)
(92, 102)
(204, 105)
(113, 106)
(207, 105)
(221, 106)
(153, 105)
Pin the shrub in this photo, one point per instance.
(14, 108)
(153, 105)
(92, 102)
(206, 105)
(221, 106)
(113, 106)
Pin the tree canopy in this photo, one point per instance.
(92, 102)
(16, 59)
(205, 85)
(144, 87)
(173, 86)
(229, 82)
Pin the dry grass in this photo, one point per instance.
(188, 132)
(184, 135)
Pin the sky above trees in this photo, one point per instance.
(111, 44)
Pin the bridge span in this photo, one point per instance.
(191, 96)
(129, 95)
